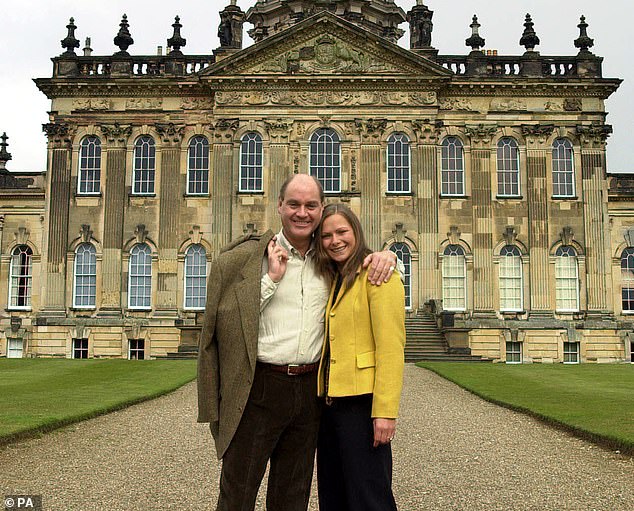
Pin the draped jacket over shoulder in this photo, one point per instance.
(365, 334)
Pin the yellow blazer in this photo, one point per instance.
(365, 333)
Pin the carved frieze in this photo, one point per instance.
(144, 103)
(594, 136)
(279, 130)
(371, 130)
(456, 104)
(428, 131)
(90, 104)
(224, 129)
(507, 105)
(537, 132)
(481, 134)
(171, 134)
(573, 105)
(554, 106)
(197, 103)
(325, 98)
(59, 134)
(116, 133)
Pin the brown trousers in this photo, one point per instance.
(280, 423)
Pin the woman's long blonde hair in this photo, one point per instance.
(326, 266)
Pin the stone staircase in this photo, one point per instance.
(424, 341)
(185, 352)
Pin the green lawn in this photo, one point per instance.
(595, 402)
(38, 395)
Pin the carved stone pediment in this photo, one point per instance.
(325, 45)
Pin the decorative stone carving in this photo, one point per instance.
(353, 172)
(573, 105)
(116, 133)
(279, 130)
(399, 232)
(454, 235)
(195, 235)
(481, 134)
(59, 134)
(629, 237)
(85, 233)
(371, 130)
(423, 98)
(567, 235)
(537, 133)
(456, 104)
(507, 105)
(22, 235)
(249, 229)
(143, 103)
(171, 133)
(224, 129)
(92, 104)
(510, 235)
(197, 104)
(140, 233)
(594, 136)
(427, 130)
(554, 106)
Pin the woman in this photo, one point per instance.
(360, 373)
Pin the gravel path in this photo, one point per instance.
(452, 451)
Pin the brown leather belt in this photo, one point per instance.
(291, 369)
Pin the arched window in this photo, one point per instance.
(140, 277)
(508, 163)
(85, 276)
(566, 279)
(144, 169)
(89, 173)
(452, 167)
(403, 253)
(454, 279)
(325, 159)
(627, 279)
(511, 295)
(251, 163)
(21, 277)
(398, 164)
(195, 277)
(198, 166)
(563, 168)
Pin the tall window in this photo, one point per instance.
(508, 160)
(144, 166)
(403, 253)
(452, 163)
(80, 348)
(21, 277)
(510, 279)
(454, 279)
(627, 280)
(251, 163)
(198, 166)
(85, 276)
(566, 279)
(89, 165)
(195, 277)
(140, 277)
(398, 164)
(563, 168)
(325, 159)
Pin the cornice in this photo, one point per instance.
(112, 87)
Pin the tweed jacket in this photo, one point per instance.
(228, 343)
(365, 333)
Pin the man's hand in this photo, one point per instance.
(384, 430)
(381, 264)
(277, 257)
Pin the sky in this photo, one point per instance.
(32, 30)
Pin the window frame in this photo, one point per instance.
(507, 162)
(559, 259)
(92, 276)
(567, 159)
(398, 140)
(198, 153)
(146, 160)
(629, 258)
(27, 279)
(446, 158)
(314, 169)
(516, 277)
(138, 348)
(514, 349)
(404, 253)
(447, 258)
(84, 170)
(202, 297)
(78, 347)
(251, 170)
(147, 278)
(568, 353)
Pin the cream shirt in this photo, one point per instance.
(292, 310)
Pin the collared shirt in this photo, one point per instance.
(292, 310)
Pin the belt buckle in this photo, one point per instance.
(289, 368)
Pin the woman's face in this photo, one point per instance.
(337, 238)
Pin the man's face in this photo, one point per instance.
(300, 210)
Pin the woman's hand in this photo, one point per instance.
(278, 258)
(384, 430)
(381, 264)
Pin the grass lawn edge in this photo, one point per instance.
(53, 425)
(604, 441)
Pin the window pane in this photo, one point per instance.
(508, 168)
(144, 166)
(195, 277)
(452, 167)
(198, 166)
(403, 253)
(325, 156)
(140, 277)
(627, 279)
(89, 165)
(566, 279)
(251, 163)
(454, 278)
(511, 289)
(563, 168)
(21, 277)
(398, 170)
(85, 276)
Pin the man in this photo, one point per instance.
(259, 354)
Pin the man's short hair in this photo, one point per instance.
(288, 180)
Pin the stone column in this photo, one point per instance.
(222, 184)
(425, 185)
(115, 203)
(595, 217)
(369, 177)
(168, 233)
(537, 195)
(60, 161)
(280, 167)
(483, 277)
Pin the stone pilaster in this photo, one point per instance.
(483, 277)
(369, 174)
(222, 183)
(595, 217)
(170, 198)
(60, 154)
(537, 195)
(280, 166)
(425, 177)
(115, 202)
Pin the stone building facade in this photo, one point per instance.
(485, 173)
